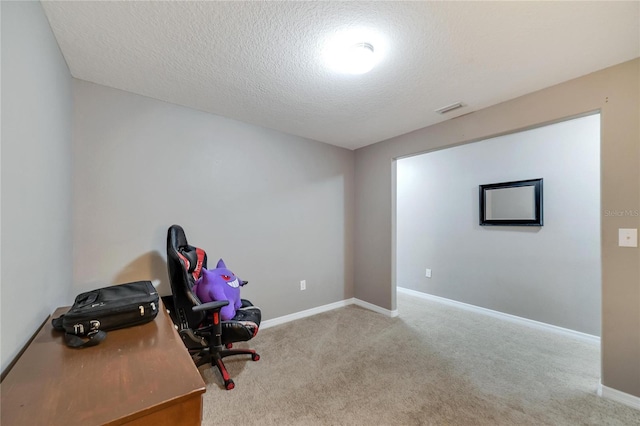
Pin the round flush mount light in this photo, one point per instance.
(348, 53)
(359, 58)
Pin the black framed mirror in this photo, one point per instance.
(517, 203)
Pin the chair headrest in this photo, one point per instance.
(176, 237)
(190, 254)
(194, 259)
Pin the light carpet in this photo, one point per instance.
(432, 365)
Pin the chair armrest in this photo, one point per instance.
(210, 306)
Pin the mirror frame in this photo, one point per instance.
(536, 221)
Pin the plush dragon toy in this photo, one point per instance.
(217, 285)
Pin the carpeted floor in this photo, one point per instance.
(433, 364)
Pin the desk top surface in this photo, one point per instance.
(134, 370)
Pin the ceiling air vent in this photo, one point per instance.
(449, 108)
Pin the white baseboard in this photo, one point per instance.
(618, 396)
(324, 308)
(303, 314)
(375, 308)
(507, 317)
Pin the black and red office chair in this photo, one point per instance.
(207, 337)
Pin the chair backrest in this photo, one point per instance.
(185, 264)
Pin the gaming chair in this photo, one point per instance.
(207, 337)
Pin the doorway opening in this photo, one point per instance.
(548, 274)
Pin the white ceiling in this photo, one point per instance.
(262, 63)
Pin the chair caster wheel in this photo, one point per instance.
(228, 384)
(255, 357)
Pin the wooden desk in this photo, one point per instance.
(141, 375)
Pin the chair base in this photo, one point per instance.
(214, 357)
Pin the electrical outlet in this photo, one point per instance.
(427, 273)
(303, 285)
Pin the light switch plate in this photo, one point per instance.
(628, 237)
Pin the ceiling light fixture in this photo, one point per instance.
(352, 58)
(359, 58)
(352, 51)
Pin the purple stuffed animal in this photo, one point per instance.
(217, 285)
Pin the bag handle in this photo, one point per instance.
(91, 339)
(73, 341)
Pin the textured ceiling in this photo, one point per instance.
(262, 62)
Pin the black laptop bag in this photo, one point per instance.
(108, 308)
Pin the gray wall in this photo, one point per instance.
(36, 175)
(277, 208)
(615, 92)
(550, 273)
